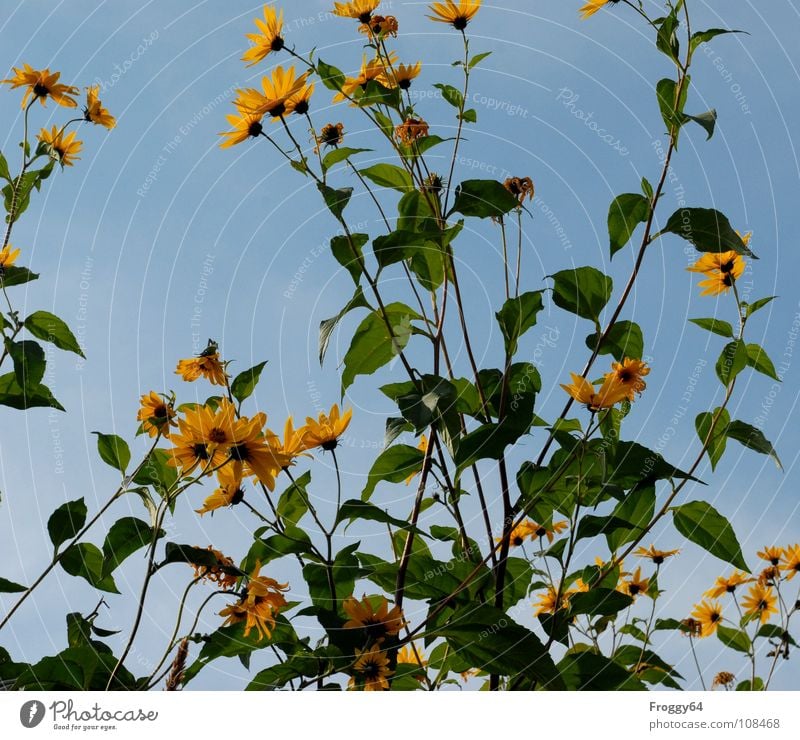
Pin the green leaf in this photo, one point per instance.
(716, 326)
(50, 328)
(470, 116)
(583, 291)
(415, 211)
(29, 362)
(517, 316)
(702, 524)
(451, 95)
(373, 345)
(355, 509)
(327, 326)
(487, 638)
(625, 214)
(397, 246)
(389, 176)
(707, 120)
(9, 587)
(672, 108)
(245, 383)
(667, 37)
(348, 253)
(86, 561)
(599, 602)
(624, 339)
(200, 556)
(478, 58)
(588, 671)
(331, 77)
(4, 173)
(339, 154)
(336, 200)
(483, 199)
(66, 521)
(11, 276)
(394, 465)
(293, 503)
(157, 472)
(733, 638)
(637, 509)
(701, 37)
(732, 360)
(12, 394)
(394, 428)
(125, 537)
(707, 229)
(753, 439)
(719, 437)
(758, 359)
(113, 451)
(751, 308)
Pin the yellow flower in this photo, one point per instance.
(411, 130)
(760, 602)
(520, 188)
(457, 14)
(412, 654)
(636, 584)
(207, 364)
(156, 415)
(525, 528)
(62, 148)
(332, 134)
(258, 605)
(547, 602)
(657, 556)
(708, 615)
(721, 269)
(223, 574)
(299, 102)
(268, 39)
(245, 126)
(771, 554)
(791, 561)
(42, 84)
(8, 256)
(584, 392)
(423, 448)
(405, 73)
(727, 585)
(94, 112)
(277, 88)
(229, 492)
(325, 431)
(380, 26)
(371, 71)
(204, 437)
(373, 667)
(293, 444)
(593, 6)
(361, 10)
(627, 376)
(377, 623)
(255, 454)
(556, 528)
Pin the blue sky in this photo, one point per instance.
(157, 240)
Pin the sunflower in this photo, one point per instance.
(760, 602)
(728, 585)
(245, 126)
(292, 445)
(8, 256)
(721, 269)
(556, 528)
(373, 70)
(223, 574)
(373, 667)
(156, 415)
(423, 448)
(361, 10)
(299, 102)
(411, 130)
(584, 392)
(635, 585)
(593, 6)
(331, 134)
(627, 375)
(378, 623)
(62, 148)
(258, 604)
(769, 576)
(412, 654)
(457, 14)
(405, 73)
(229, 492)
(790, 562)
(657, 556)
(94, 112)
(547, 602)
(520, 188)
(277, 88)
(42, 84)
(207, 364)
(380, 26)
(256, 454)
(516, 537)
(326, 429)
(268, 39)
(708, 615)
(771, 554)
(204, 437)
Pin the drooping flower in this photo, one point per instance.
(760, 602)
(771, 554)
(709, 616)
(723, 678)
(593, 6)
(457, 13)
(63, 147)
(276, 90)
(372, 70)
(728, 585)
(42, 84)
(325, 430)
(94, 112)
(223, 573)
(8, 256)
(405, 73)
(584, 392)
(268, 39)
(691, 627)
(657, 556)
(769, 576)
(156, 415)
(207, 364)
(245, 126)
(790, 562)
(380, 26)
(636, 584)
(378, 623)
(411, 130)
(229, 492)
(259, 604)
(627, 376)
(372, 665)
(361, 10)
(331, 134)
(299, 103)
(520, 188)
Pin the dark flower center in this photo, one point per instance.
(726, 266)
(278, 110)
(255, 128)
(625, 376)
(634, 588)
(301, 108)
(460, 23)
(200, 451)
(365, 17)
(237, 497)
(658, 559)
(329, 444)
(217, 435)
(541, 532)
(404, 84)
(40, 90)
(727, 279)
(762, 605)
(715, 617)
(277, 44)
(240, 453)
(375, 630)
(517, 541)
(160, 412)
(730, 588)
